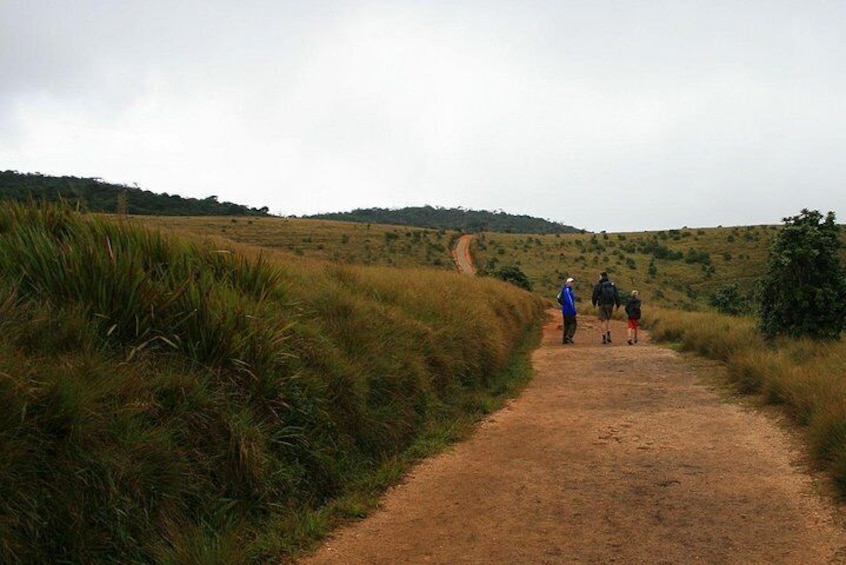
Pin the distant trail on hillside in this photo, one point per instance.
(461, 255)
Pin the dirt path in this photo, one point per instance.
(461, 255)
(613, 454)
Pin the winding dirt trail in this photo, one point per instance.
(461, 255)
(613, 454)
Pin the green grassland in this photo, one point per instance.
(341, 242)
(675, 268)
(169, 399)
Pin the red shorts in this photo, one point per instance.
(632, 324)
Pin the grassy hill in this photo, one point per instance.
(679, 268)
(344, 242)
(676, 268)
(172, 400)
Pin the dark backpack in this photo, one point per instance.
(633, 308)
(607, 293)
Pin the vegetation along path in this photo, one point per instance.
(613, 454)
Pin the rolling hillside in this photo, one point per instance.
(676, 268)
(325, 240)
(170, 400)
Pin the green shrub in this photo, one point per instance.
(514, 275)
(804, 290)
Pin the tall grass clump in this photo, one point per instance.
(805, 376)
(140, 287)
(169, 401)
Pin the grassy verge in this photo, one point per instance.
(168, 401)
(311, 525)
(807, 378)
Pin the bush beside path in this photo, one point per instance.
(612, 454)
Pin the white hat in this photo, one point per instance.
(571, 279)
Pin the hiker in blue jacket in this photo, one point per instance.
(605, 298)
(567, 299)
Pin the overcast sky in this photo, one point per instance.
(606, 115)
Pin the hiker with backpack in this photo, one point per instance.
(567, 300)
(605, 298)
(633, 313)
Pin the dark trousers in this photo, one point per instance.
(569, 328)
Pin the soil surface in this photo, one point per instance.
(461, 255)
(613, 454)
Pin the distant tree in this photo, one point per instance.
(514, 275)
(804, 290)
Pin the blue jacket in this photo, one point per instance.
(568, 301)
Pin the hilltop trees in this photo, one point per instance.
(804, 290)
(471, 221)
(95, 195)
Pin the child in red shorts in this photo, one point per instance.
(633, 312)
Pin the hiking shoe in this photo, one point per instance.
(609, 338)
(630, 342)
(604, 340)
